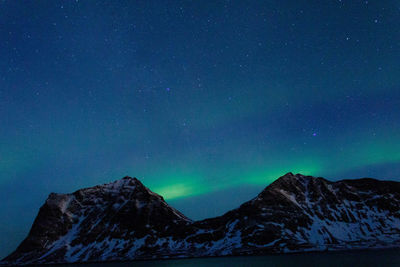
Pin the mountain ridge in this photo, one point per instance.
(124, 220)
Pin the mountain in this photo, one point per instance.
(104, 222)
(124, 220)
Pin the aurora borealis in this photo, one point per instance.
(206, 102)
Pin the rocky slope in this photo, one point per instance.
(99, 223)
(124, 220)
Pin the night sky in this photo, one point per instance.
(206, 102)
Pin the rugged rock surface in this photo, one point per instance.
(99, 223)
(124, 220)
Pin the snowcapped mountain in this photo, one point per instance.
(104, 222)
(124, 220)
(302, 213)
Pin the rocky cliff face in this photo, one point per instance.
(104, 222)
(124, 220)
(303, 213)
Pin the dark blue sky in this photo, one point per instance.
(206, 102)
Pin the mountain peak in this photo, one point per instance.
(290, 178)
(290, 175)
(129, 178)
(126, 180)
(294, 183)
(126, 183)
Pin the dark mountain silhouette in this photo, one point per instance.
(124, 220)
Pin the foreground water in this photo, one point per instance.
(352, 258)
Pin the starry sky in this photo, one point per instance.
(206, 102)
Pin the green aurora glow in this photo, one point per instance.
(206, 102)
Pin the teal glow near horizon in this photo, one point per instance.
(206, 102)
